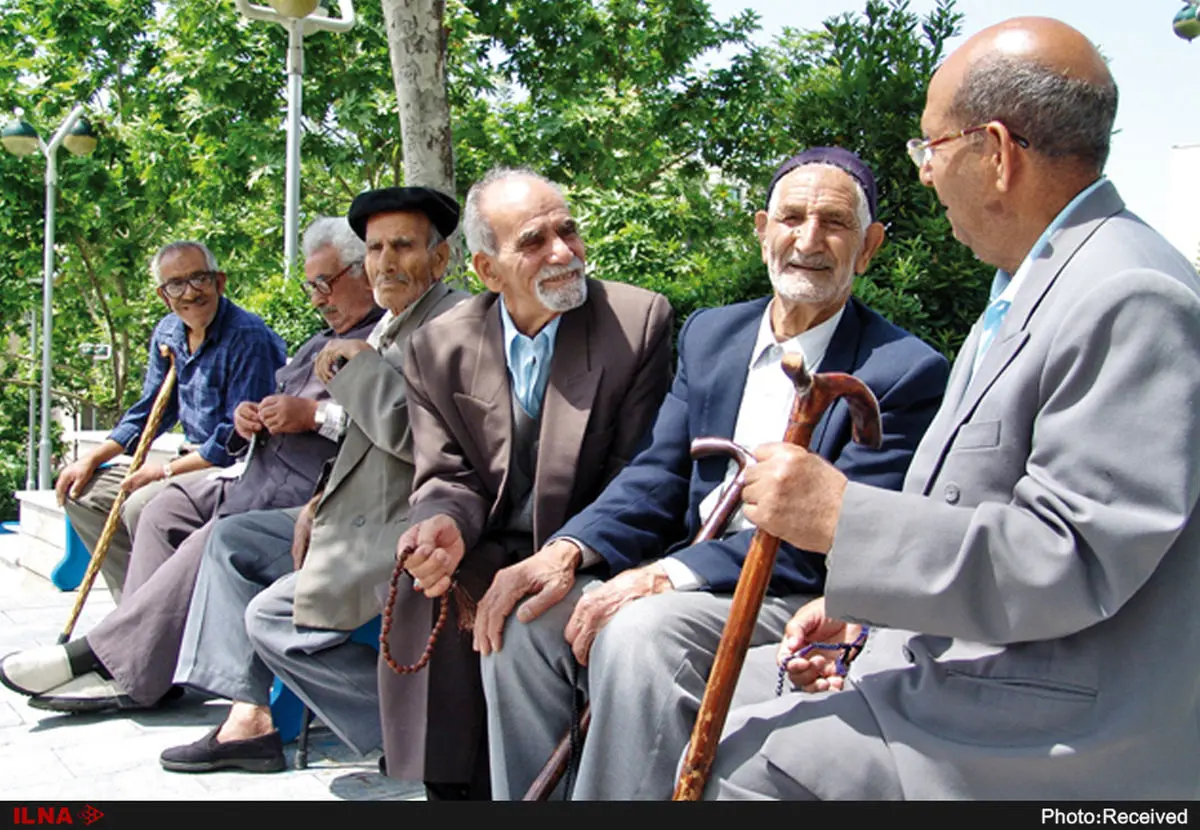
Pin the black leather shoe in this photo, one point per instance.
(262, 754)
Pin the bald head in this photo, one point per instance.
(1043, 80)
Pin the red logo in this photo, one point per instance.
(54, 815)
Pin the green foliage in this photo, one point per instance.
(665, 158)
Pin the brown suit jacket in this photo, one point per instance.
(364, 504)
(610, 371)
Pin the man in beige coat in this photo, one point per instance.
(524, 401)
(324, 563)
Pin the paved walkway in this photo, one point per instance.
(46, 757)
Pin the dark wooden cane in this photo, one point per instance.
(814, 394)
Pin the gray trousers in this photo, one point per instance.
(240, 632)
(139, 641)
(245, 553)
(800, 746)
(335, 677)
(644, 681)
(89, 514)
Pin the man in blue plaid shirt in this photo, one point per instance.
(223, 355)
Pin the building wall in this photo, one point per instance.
(1183, 209)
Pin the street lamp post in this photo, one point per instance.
(20, 138)
(300, 19)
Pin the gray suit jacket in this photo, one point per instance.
(1045, 542)
(364, 503)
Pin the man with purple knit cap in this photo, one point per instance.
(636, 629)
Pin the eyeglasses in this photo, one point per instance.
(198, 280)
(921, 150)
(323, 284)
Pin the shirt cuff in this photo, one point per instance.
(589, 556)
(682, 577)
(334, 425)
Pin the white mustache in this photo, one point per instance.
(810, 262)
(554, 271)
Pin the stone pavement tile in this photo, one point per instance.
(44, 730)
(9, 716)
(29, 768)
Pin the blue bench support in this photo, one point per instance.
(70, 570)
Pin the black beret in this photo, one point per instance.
(441, 209)
(838, 157)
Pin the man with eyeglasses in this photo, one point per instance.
(127, 661)
(223, 355)
(281, 592)
(1028, 599)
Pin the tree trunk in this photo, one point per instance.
(417, 44)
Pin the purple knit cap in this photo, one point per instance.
(838, 157)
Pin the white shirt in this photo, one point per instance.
(762, 416)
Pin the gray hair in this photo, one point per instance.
(1060, 117)
(210, 261)
(862, 208)
(481, 237)
(334, 232)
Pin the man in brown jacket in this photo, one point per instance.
(524, 402)
(240, 631)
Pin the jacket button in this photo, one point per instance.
(952, 493)
(359, 521)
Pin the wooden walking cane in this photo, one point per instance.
(114, 513)
(554, 769)
(814, 394)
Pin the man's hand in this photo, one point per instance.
(332, 352)
(437, 548)
(146, 474)
(595, 608)
(303, 531)
(548, 575)
(246, 420)
(816, 672)
(282, 414)
(73, 479)
(795, 495)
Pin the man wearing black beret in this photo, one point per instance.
(281, 592)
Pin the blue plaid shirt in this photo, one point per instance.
(236, 362)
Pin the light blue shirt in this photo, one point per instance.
(1004, 287)
(528, 361)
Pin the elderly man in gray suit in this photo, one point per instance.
(1045, 544)
(127, 661)
(325, 563)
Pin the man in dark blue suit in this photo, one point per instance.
(640, 644)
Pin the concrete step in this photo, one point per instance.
(28, 552)
(41, 517)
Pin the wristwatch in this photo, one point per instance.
(166, 471)
(319, 417)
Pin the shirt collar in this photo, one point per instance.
(812, 343)
(512, 333)
(1054, 227)
(179, 330)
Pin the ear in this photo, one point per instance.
(872, 239)
(219, 282)
(1004, 158)
(441, 258)
(485, 267)
(162, 295)
(760, 224)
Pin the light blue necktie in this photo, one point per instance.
(993, 317)
(530, 355)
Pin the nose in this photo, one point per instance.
(318, 299)
(808, 235)
(560, 251)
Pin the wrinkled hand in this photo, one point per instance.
(283, 414)
(794, 494)
(332, 352)
(816, 672)
(73, 479)
(246, 421)
(595, 608)
(549, 575)
(303, 531)
(437, 548)
(146, 474)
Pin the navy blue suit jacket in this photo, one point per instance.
(651, 508)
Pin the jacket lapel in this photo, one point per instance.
(1084, 221)
(570, 395)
